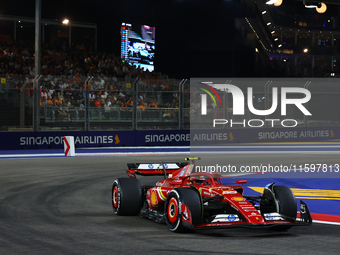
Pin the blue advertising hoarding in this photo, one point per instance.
(54, 140)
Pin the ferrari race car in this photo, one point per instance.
(189, 200)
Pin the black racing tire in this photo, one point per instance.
(286, 201)
(127, 196)
(287, 204)
(173, 212)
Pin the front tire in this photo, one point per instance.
(127, 196)
(286, 203)
(173, 209)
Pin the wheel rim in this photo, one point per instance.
(115, 197)
(173, 210)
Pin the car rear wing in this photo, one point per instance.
(151, 169)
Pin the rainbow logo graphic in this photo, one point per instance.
(209, 90)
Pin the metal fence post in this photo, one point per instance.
(266, 105)
(134, 106)
(181, 103)
(85, 103)
(22, 103)
(36, 103)
(226, 101)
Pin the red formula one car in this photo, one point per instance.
(186, 199)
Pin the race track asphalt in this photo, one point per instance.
(63, 206)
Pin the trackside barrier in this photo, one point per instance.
(82, 139)
(55, 140)
(69, 147)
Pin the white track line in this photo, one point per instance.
(31, 155)
(266, 146)
(96, 154)
(326, 222)
(262, 152)
(138, 147)
(133, 153)
(165, 153)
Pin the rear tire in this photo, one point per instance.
(127, 196)
(173, 211)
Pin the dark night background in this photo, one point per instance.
(194, 38)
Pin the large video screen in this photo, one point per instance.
(138, 45)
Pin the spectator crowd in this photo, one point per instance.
(65, 71)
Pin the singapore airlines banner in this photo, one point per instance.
(54, 140)
(264, 135)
